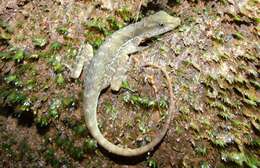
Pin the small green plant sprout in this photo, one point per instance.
(256, 142)
(110, 109)
(67, 145)
(15, 97)
(42, 121)
(5, 37)
(201, 150)
(50, 157)
(13, 80)
(204, 164)
(62, 31)
(60, 79)
(194, 126)
(222, 140)
(71, 52)
(99, 25)
(125, 85)
(114, 24)
(144, 102)
(57, 66)
(225, 115)
(6, 26)
(69, 102)
(5, 55)
(53, 109)
(238, 36)
(142, 127)
(240, 158)
(80, 129)
(39, 42)
(76, 152)
(218, 36)
(125, 14)
(152, 163)
(55, 46)
(96, 43)
(89, 145)
(30, 84)
(26, 105)
(19, 55)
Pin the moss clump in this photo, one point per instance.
(114, 23)
(125, 14)
(68, 102)
(60, 80)
(241, 159)
(55, 46)
(62, 31)
(39, 42)
(152, 163)
(67, 145)
(89, 145)
(13, 80)
(145, 102)
(201, 150)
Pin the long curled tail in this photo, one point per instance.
(91, 120)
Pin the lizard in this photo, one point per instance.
(108, 68)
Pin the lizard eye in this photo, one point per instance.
(161, 24)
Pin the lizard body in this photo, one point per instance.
(108, 67)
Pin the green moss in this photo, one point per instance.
(89, 145)
(39, 41)
(55, 46)
(50, 157)
(125, 14)
(225, 115)
(110, 109)
(5, 55)
(42, 121)
(68, 102)
(76, 153)
(7, 148)
(13, 80)
(145, 102)
(5, 37)
(60, 80)
(125, 85)
(201, 150)
(57, 67)
(249, 102)
(204, 164)
(26, 105)
(80, 129)
(238, 36)
(98, 24)
(114, 23)
(19, 55)
(15, 97)
(62, 31)
(241, 159)
(152, 163)
(25, 150)
(218, 36)
(67, 145)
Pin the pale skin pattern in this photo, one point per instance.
(108, 68)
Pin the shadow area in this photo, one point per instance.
(122, 160)
(24, 118)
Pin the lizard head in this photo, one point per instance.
(160, 23)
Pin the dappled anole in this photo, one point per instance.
(108, 68)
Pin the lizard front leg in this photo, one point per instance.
(123, 64)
